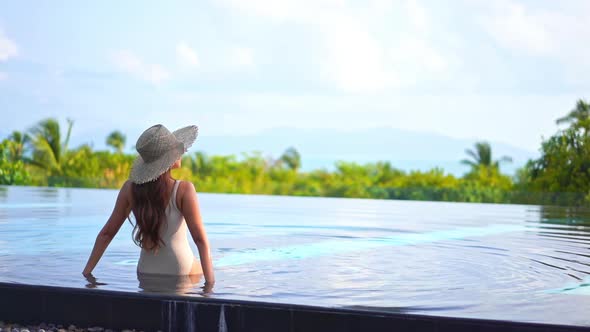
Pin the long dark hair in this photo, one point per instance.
(150, 201)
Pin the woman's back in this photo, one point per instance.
(175, 256)
(161, 222)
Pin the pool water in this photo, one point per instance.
(492, 261)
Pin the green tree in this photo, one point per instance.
(49, 150)
(579, 114)
(116, 140)
(563, 169)
(11, 171)
(560, 176)
(202, 164)
(482, 156)
(291, 158)
(564, 165)
(18, 147)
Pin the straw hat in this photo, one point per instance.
(158, 150)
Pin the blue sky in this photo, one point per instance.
(499, 70)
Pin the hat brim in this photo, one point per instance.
(143, 172)
(187, 135)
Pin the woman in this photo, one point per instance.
(163, 209)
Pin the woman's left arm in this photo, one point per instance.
(110, 229)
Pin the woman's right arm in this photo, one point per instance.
(192, 215)
(110, 229)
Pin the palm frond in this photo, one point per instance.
(473, 155)
(44, 148)
(468, 162)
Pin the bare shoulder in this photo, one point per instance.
(186, 189)
(126, 191)
(127, 185)
(127, 188)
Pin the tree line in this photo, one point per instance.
(41, 156)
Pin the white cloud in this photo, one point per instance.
(515, 27)
(242, 56)
(542, 32)
(8, 48)
(417, 15)
(538, 31)
(3, 76)
(364, 61)
(355, 53)
(129, 62)
(285, 10)
(354, 58)
(414, 59)
(186, 55)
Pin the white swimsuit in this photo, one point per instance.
(176, 256)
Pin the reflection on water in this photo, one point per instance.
(571, 216)
(93, 282)
(48, 192)
(162, 284)
(165, 284)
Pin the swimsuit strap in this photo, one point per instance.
(176, 184)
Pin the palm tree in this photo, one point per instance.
(482, 157)
(20, 142)
(292, 158)
(203, 164)
(116, 140)
(49, 151)
(199, 164)
(579, 114)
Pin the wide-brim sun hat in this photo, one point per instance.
(158, 150)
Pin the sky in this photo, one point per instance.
(499, 70)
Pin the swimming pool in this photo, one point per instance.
(491, 261)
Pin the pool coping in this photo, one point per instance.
(33, 304)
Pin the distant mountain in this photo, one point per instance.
(320, 148)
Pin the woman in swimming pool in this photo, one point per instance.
(163, 209)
